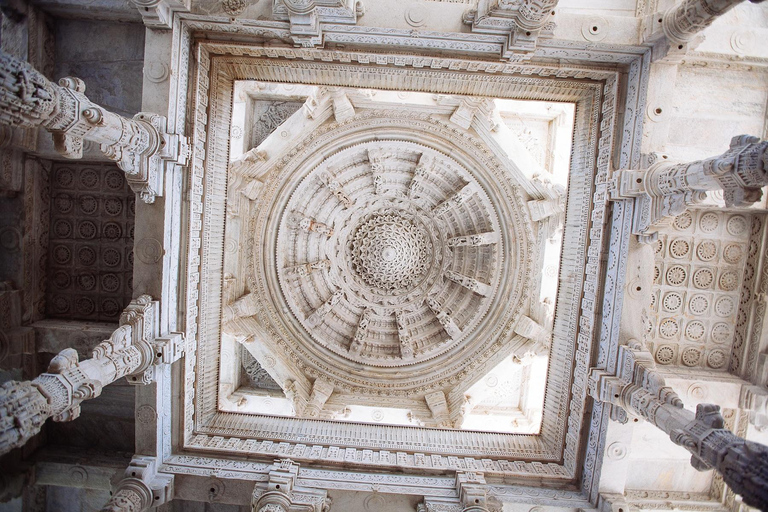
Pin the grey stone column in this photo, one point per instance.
(636, 389)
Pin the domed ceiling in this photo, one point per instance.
(408, 257)
(389, 262)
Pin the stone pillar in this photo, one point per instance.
(131, 351)
(142, 487)
(666, 189)
(140, 146)
(637, 389)
(683, 21)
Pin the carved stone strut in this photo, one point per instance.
(132, 351)
(665, 190)
(140, 146)
(637, 389)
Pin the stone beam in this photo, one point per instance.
(133, 350)
(666, 190)
(141, 146)
(637, 389)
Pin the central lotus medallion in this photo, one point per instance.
(391, 252)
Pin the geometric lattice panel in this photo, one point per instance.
(90, 256)
(702, 266)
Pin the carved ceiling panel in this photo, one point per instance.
(90, 259)
(238, 219)
(703, 275)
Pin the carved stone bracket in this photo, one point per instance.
(283, 495)
(439, 406)
(132, 351)
(140, 146)
(523, 22)
(305, 17)
(322, 390)
(158, 14)
(539, 335)
(142, 487)
(550, 211)
(665, 190)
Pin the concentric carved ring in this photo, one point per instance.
(389, 253)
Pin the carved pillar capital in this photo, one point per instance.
(530, 20)
(683, 21)
(472, 490)
(635, 388)
(158, 14)
(140, 146)
(282, 494)
(305, 23)
(142, 487)
(666, 189)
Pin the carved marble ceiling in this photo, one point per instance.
(390, 255)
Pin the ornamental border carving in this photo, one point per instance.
(595, 92)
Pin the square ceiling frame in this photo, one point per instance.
(566, 451)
